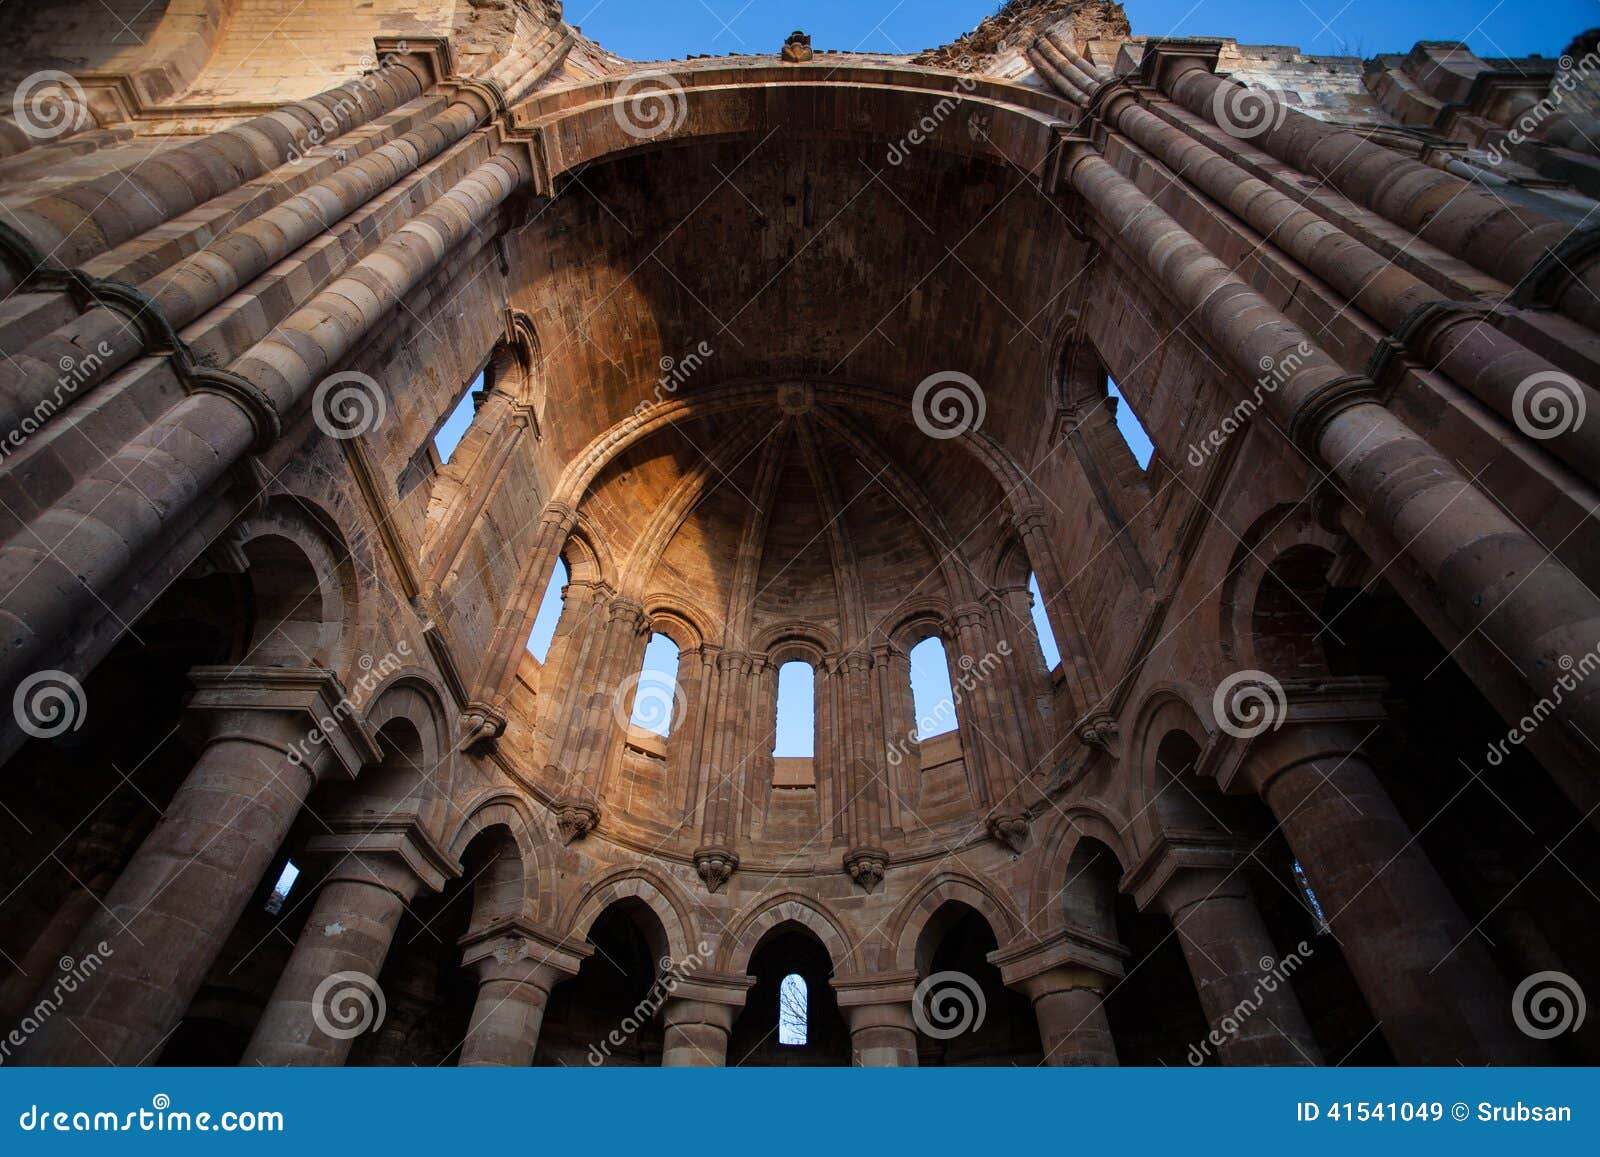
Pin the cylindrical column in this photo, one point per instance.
(1254, 1015)
(512, 995)
(1491, 575)
(347, 936)
(171, 910)
(882, 1036)
(1069, 1002)
(696, 1033)
(1428, 980)
(75, 551)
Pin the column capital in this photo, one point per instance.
(304, 712)
(1182, 867)
(1315, 719)
(707, 997)
(858, 990)
(515, 949)
(396, 853)
(1066, 947)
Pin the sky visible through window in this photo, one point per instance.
(797, 698)
(544, 624)
(650, 30)
(1132, 431)
(455, 426)
(654, 697)
(931, 693)
(1041, 626)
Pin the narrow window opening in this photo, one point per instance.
(1041, 626)
(792, 1010)
(455, 426)
(796, 731)
(1131, 429)
(656, 693)
(281, 890)
(550, 608)
(931, 695)
(1311, 897)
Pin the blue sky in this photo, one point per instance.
(658, 29)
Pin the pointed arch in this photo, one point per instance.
(905, 926)
(747, 931)
(657, 893)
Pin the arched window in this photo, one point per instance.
(792, 1010)
(449, 435)
(1041, 626)
(1129, 426)
(931, 696)
(655, 694)
(796, 731)
(550, 608)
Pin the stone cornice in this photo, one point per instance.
(314, 694)
(1175, 853)
(399, 839)
(1066, 946)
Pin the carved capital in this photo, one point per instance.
(1100, 731)
(716, 866)
(482, 724)
(867, 866)
(1010, 829)
(575, 819)
(796, 49)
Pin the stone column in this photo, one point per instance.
(1070, 1005)
(1066, 974)
(1427, 978)
(1244, 987)
(517, 965)
(698, 1017)
(878, 1011)
(860, 754)
(329, 993)
(169, 913)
